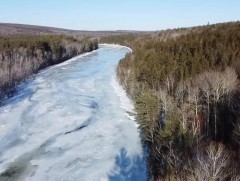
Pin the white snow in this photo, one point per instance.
(70, 122)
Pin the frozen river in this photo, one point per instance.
(71, 122)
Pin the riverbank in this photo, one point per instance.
(185, 90)
(22, 56)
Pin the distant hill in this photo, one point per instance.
(22, 29)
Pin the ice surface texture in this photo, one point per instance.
(70, 122)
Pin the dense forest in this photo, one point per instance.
(185, 86)
(22, 55)
(126, 40)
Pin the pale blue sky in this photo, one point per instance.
(119, 14)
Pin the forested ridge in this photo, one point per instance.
(23, 55)
(185, 86)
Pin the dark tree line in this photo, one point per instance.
(120, 39)
(21, 56)
(186, 91)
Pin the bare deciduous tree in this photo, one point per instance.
(213, 166)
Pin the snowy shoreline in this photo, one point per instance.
(115, 45)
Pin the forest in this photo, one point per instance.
(24, 55)
(185, 87)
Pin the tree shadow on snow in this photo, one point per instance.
(129, 168)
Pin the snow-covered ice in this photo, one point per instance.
(70, 122)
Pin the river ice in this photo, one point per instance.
(70, 122)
